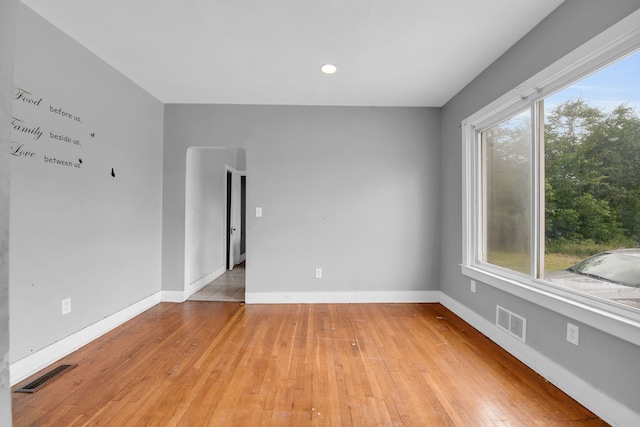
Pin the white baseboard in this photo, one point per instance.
(173, 296)
(599, 403)
(340, 297)
(204, 281)
(28, 366)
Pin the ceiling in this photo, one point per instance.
(388, 52)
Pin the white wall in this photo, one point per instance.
(205, 216)
(77, 231)
(607, 364)
(351, 190)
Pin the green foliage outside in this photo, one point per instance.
(592, 185)
(519, 261)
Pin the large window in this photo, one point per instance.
(556, 188)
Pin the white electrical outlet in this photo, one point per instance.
(473, 286)
(573, 334)
(258, 212)
(66, 306)
(318, 273)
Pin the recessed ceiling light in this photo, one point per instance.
(328, 68)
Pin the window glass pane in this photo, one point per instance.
(506, 189)
(592, 183)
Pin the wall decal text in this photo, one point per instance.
(19, 125)
(63, 113)
(20, 94)
(19, 150)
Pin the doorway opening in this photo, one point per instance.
(215, 224)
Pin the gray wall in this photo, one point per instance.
(7, 36)
(602, 360)
(351, 190)
(76, 231)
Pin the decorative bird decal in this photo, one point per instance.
(93, 134)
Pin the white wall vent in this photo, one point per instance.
(511, 323)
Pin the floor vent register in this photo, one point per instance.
(45, 379)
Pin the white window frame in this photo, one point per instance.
(615, 319)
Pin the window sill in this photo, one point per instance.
(610, 318)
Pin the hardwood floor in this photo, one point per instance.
(230, 364)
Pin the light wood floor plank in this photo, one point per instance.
(229, 364)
